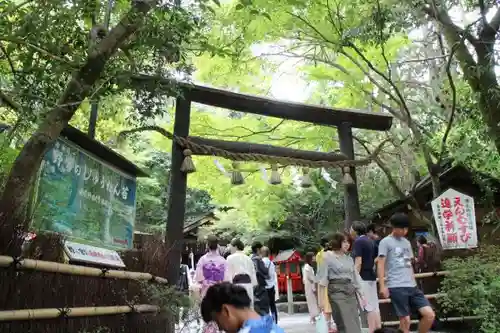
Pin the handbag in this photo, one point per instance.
(321, 324)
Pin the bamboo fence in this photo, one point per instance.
(54, 267)
(430, 274)
(442, 320)
(429, 296)
(37, 314)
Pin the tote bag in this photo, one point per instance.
(321, 324)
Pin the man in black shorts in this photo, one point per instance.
(395, 264)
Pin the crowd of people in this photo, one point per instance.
(344, 287)
(238, 293)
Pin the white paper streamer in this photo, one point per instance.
(326, 176)
(264, 173)
(221, 168)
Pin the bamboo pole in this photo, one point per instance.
(55, 267)
(444, 320)
(33, 314)
(429, 296)
(430, 274)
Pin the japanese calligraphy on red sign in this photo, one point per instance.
(455, 218)
(91, 254)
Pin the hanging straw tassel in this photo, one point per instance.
(236, 176)
(347, 180)
(187, 165)
(275, 175)
(305, 181)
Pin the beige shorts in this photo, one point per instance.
(371, 295)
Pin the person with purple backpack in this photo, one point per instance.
(211, 269)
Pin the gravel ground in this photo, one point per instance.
(296, 323)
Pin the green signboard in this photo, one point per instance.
(84, 198)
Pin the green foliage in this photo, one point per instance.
(473, 288)
(7, 157)
(167, 298)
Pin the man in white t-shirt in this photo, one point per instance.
(241, 269)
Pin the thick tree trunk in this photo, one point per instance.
(489, 105)
(15, 197)
(480, 72)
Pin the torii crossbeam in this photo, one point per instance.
(345, 120)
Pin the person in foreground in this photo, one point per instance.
(344, 285)
(395, 264)
(228, 305)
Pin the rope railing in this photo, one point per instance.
(210, 150)
(34, 314)
(54, 267)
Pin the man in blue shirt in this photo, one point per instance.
(228, 305)
(363, 252)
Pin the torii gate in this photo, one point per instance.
(345, 120)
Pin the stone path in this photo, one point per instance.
(296, 323)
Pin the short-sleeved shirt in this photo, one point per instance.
(364, 247)
(398, 255)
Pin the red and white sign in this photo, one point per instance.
(93, 255)
(455, 218)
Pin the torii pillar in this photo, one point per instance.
(351, 197)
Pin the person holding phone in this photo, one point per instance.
(339, 275)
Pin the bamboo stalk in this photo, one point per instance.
(429, 296)
(445, 320)
(32, 314)
(55, 267)
(430, 274)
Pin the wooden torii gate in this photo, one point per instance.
(345, 120)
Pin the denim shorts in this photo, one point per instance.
(406, 299)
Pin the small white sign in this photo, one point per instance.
(455, 218)
(93, 255)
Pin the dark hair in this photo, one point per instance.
(212, 242)
(220, 294)
(324, 241)
(400, 220)
(359, 227)
(309, 257)
(265, 251)
(336, 241)
(256, 246)
(371, 227)
(388, 330)
(422, 240)
(237, 243)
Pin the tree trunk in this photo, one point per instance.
(480, 72)
(489, 105)
(15, 196)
